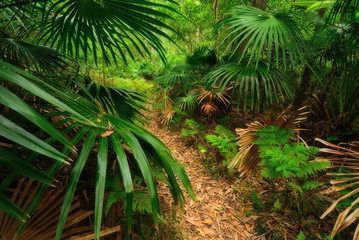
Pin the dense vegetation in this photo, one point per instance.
(78, 76)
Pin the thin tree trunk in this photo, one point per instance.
(261, 4)
(305, 84)
(215, 8)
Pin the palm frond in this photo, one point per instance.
(263, 33)
(42, 224)
(111, 27)
(97, 125)
(21, 53)
(188, 102)
(251, 82)
(343, 156)
(119, 101)
(344, 8)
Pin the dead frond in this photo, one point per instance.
(43, 222)
(343, 156)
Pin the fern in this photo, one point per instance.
(225, 133)
(141, 200)
(296, 187)
(191, 128)
(282, 159)
(311, 185)
(301, 236)
(272, 135)
(225, 142)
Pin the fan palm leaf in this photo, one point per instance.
(261, 33)
(343, 8)
(111, 26)
(21, 53)
(251, 82)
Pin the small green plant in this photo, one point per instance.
(256, 200)
(301, 236)
(291, 161)
(225, 141)
(141, 201)
(191, 128)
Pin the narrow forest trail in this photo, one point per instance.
(218, 211)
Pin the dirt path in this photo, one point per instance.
(218, 211)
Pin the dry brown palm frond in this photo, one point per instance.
(214, 95)
(209, 109)
(248, 156)
(166, 116)
(43, 223)
(343, 156)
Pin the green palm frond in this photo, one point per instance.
(202, 56)
(263, 35)
(119, 101)
(251, 82)
(344, 8)
(313, 5)
(179, 75)
(101, 127)
(187, 103)
(21, 53)
(111, 27)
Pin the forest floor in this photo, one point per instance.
(218, 212)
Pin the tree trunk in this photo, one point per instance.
(304, 85)
(215, 8)
(299, 94)
(261, 4)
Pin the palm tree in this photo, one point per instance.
(45, 69)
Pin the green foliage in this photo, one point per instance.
(301, 236)
(292, 161)
(254, 85)
(256, 201)
(191, 128)
(141, 202)
(283, 159)
(273, 136)
(140, 85)
(225, 142)
(260, 32)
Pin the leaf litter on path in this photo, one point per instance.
(218, 212)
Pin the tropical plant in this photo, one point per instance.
(282, 159)
(258, 32)
(107, 128)
(344, 159)
(101, 116)
(254, 84)
(248, 154)
(225, 141)
(182, 89)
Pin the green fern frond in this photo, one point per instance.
(272, 135)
